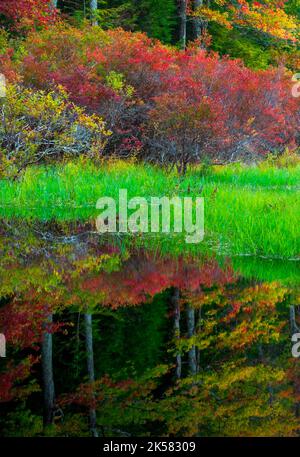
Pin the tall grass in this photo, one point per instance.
(248, 210)
(255, 176)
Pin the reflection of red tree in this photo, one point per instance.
(142, 278)
(22, 323)
(13, 374)
(22, 319)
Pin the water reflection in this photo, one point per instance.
(104, 338)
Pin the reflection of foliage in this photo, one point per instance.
(245, 384)
(230, 401)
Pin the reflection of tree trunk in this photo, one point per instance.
(47, 367)
(90, 367)
(190, 312)
(198, 330)
(293, 324)
(176, 306)
(183, 22)
(263, 360)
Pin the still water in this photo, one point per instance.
(111, 338)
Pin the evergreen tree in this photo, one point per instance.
(157, 18)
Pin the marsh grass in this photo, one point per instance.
(262, 175)
(248, 210)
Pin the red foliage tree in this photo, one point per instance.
(27, 14)
(168, 105)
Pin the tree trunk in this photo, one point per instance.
(176, 306)
(190, 313)
(293, 324)
(183, 22)
(198, 330)
(90, 367)
(48, 379)
(94, 7)
(197, 21)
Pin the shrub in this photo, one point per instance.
(183, 129)
(222, 110)
(288, 159)
(165, 105)
(27, 14)
(39, 126)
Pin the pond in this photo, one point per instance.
(110, 336)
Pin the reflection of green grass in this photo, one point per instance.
(267, 270)
(247, 210)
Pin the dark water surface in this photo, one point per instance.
(180, 346)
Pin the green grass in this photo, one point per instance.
(248, 210)
(256, 176)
